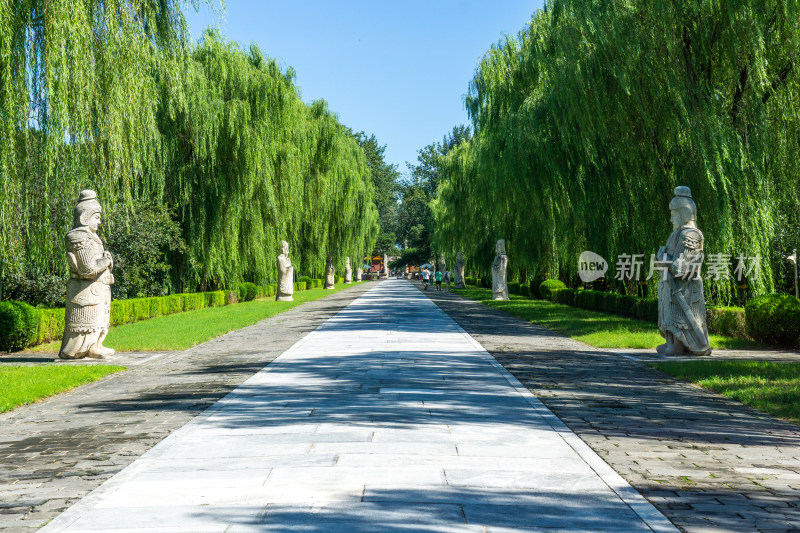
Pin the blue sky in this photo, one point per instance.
(398, 69)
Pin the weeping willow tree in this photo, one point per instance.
(251, 164)
(586, 122)
(112, 96)
(77, 92)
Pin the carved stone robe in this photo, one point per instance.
(681, 284)
(88, 310)
(285, 279)
(499, 282)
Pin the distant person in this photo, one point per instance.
(426, 278)
(447, 278)
(438, 280)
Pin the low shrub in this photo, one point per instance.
(486, 283)
(728, 321)
(548, 288)
(646, 309)
(300, 285)
(19, 325)
(51, 325)
(339, 280)
(307, 280)
(774, 319)
(215, 298)
(513, 287)
(566, 296)
(247, 292)
(469, 280)
(525, 289)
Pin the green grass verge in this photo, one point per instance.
(184, 330)
(773, 388)
(603, 330)
(20, 385)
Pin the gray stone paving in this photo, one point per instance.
(386, 418)
(55, 452)
(706, 462)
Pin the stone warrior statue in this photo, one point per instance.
(348, 271)
(88, 312)
(285, 275)
(330, 273)
(681, 303)
(499, 285)
(459, 271)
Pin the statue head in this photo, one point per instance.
(460, 256)
(500, 247)
(284, 248)
(330, 259)
(683, 210)
(347, 260)
(87, 211)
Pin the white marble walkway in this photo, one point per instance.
(387, 418)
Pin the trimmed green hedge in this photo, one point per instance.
(549, 287)
(22, 325)
(316, 283)
(300, 285)
(774, 319)
(19, 325)
(250, 291)
(728, 321)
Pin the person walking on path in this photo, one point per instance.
(426, 278)
(438, 280)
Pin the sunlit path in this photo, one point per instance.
(387, 418)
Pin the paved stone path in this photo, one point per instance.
(706, 462)
(55, 452)
(386, 418)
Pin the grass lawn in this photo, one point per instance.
(184, 330)
(773, 388)
(21, 385)
(603, 330)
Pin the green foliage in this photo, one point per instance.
(19, 325)
(549, 288)
(142, 243)
(728, 321)
(316, 283)
(774, 319)
(300, 285)
(115, 98)
(597, 110)
(215, 298)
(384, 182)
(414, 218)
(249, 290)
(51, 325)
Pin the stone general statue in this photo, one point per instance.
(348, 271)
(681, 303)
(499, 284)
(285, 275)
(330, 273)
(459, 271)
(88, 311)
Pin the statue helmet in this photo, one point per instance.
(683, 201)
(87, 206)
